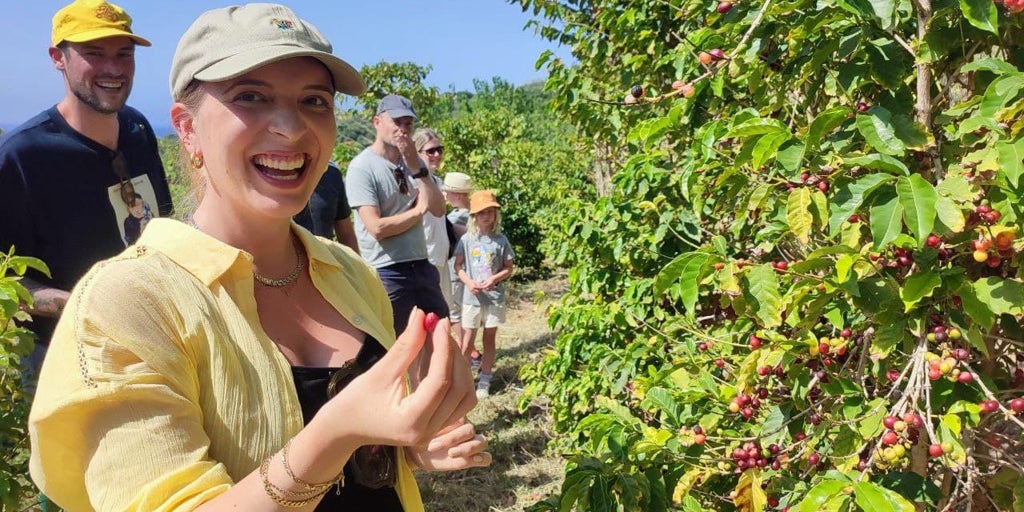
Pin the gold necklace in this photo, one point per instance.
(288, 279)
(271, 282)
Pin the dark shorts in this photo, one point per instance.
(413, 284)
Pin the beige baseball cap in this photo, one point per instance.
(228, 42)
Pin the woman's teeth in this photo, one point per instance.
(280, 168)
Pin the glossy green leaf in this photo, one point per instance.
(949, 215)
(994, 65)
(772, 430)
(756, 126)
(798, 213)
(762, 294)
(20, 264)
(819, 208)
(757, 197)
(1001, 91)
(982, 14)
(888, 336)
(919, 286)
(849, 198)
(875, 498)
(956, 188)
(1002, 296)
(870, 425)
(766, 148)
(886, 222)
(876, 127)
(978, 309)
(790, 155)
(883, 11)
(918, 198)
(823, 124)
(876, 162)
(820, 494)
(1011, 161)
(686, 268)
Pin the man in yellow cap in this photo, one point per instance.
(70, 175)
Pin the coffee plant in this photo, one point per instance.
(801, 287)
(15, 345)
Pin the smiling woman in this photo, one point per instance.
(192, 371)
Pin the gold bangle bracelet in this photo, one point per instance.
(284, 502)
(338, 480)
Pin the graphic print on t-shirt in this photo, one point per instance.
(133, 204)
(480, 262)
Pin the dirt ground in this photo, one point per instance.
(522, 473)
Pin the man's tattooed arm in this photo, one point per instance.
(48, 301)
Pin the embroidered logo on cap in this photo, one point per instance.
(283, 24)
(105, 12)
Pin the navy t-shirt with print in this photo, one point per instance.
(59, 195)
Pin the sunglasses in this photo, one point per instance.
(120, 166)
(435, 151)
(373, 466)
(403, 184)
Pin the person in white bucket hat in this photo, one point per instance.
(457, 187)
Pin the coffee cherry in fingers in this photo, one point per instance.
(430, 321)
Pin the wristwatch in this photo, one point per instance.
(423, 173)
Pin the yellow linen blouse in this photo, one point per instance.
(160, 388)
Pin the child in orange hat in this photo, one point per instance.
(483, 261)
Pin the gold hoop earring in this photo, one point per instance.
(197, 161)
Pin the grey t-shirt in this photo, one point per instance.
(371, 182)
(484, 256)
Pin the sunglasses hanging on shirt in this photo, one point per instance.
(403, 184)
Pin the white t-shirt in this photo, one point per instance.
(436, 235)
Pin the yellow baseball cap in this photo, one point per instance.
(89, 20)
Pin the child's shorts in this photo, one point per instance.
(492, 315)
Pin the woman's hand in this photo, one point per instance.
(377, 408)
(456, 447)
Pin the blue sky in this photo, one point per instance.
(461, 39)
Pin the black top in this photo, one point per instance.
(59, 195)
(311, 385)
(327, 205)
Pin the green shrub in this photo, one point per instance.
(15, 344)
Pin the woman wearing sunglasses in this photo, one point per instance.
(428, 146)
(239, 363)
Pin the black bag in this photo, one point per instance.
(453, 239)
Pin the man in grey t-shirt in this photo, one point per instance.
(390, 190)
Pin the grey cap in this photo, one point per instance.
(231, 41)
(396, 106)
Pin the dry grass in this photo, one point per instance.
(521, 474)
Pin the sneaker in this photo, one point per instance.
(475, 362)
(483, 388)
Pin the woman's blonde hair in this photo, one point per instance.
(191, 97)
(422, 136)
(471, 228)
